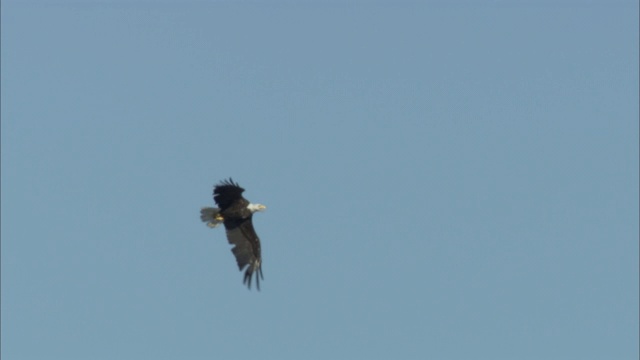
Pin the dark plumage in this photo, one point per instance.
(236, 213)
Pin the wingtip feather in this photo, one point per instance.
(248, 276)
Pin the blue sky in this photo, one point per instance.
(444, 180)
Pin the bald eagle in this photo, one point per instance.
(235, 212)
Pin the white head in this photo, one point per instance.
(256, 207)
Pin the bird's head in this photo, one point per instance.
(256, 207)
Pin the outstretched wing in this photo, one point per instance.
(242, 235)
(226, 193)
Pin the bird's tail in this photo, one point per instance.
(211, 216)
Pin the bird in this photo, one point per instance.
(236, 212)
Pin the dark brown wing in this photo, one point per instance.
(227, 194)
(242, 235)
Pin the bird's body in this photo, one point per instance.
(236, 213)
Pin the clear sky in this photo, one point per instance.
(444, 179)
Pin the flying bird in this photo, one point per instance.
(235, 212)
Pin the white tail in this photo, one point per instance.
(211, 216)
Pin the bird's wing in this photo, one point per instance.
(227, 193)
(246, 249)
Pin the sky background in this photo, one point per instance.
(444, 179)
